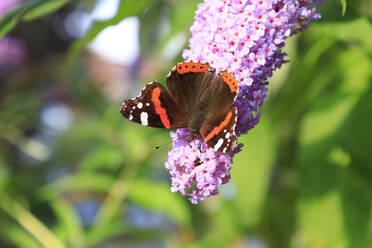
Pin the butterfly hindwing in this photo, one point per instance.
(154, 107)
(218, 131)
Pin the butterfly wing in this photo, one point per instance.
(194, 83)
(198, 88)
(154, 107)
(187, 81)
(218, 130)
(222, 93)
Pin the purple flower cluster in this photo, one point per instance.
(196, 169)
(244, 37)
(6, 5)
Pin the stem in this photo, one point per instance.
(111, 204)
(29, 222)
(116, 195)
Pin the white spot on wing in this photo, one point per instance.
(227, 135)
(224, 150)
(130, 117)
(144, 119)
(147, 104)
(139, 105)
(218, 145)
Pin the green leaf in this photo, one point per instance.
(104, 157)
(68, 223)
(321, 221)
(114, 228)
(358, 31)
(251, 172)
(158, 197)
(28, 10)
(7, 24)
(10, 20)
(44, 9)
(19, 236)
(343, 4)
(334, 160)
(356, 205)
(329, 111)
(81, 181)
(353, 134)
(334, 203)
(223, 228)
(29, 222)
(126, 8)
(4, 173)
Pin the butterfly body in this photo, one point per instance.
(197, 116)
(197, 98)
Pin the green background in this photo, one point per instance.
(303, 179)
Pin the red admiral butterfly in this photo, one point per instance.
(197, 98)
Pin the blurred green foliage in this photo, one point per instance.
(303, 179)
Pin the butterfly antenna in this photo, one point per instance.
(162, 145)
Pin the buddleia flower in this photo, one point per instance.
(244, 37)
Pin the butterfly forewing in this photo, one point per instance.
(154, 107)
(187, 81)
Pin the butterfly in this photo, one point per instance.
(198, 97)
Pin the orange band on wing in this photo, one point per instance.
(158, 109)
(191, 66)
(216, 130)
(230, 80)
